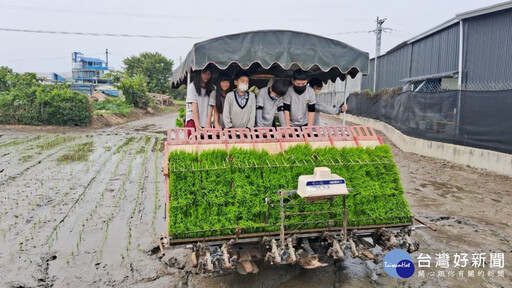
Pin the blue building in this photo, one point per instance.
(87, 69)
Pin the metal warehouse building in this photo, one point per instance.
(470, 50)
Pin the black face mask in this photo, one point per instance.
(299, 89)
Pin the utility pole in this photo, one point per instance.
(378, 33)
(106, 54)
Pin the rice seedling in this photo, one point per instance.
(140, 187)
(157, 190)
(77, 153)
(102, 195)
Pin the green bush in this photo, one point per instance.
(135, 91)
(113, 106)
(23, 100)
(61, 106)
(178, 93)
(44, 105)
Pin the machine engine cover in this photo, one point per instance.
(321, 184)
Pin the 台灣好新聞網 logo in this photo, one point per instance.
(398, 264)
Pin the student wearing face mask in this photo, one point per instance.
(299, 102)
(240, 105)
(317, 85)
(270, 101)
(198, 100)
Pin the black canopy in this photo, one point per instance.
(277, 53)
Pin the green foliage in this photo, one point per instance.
(28, 102)
(114, 106)
(61, 106)
(182, 112)
(4, 73)
(218, 191)
(77, 153)
(135, 91)
(154, 67)
(10, 80)
(115, 76)
(179, 93)
(181, 117)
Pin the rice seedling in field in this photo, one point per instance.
(121, 193)
(53, 142)
(157, 190)
(126, 142)
(139, 190)
(26, 158)
(77, 153)
(19, 141)
(54, 232)
(102, 195)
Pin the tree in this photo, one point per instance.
(178, 94)
(115, 76)
(10, 80)
(4, 73)
(135, 91)
(155, 68)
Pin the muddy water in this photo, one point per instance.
(91, 224)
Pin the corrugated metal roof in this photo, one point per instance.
(431, 76)
(487, 48)
(457, 18)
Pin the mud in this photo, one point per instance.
(94, 223)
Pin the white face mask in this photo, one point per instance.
(243, 87)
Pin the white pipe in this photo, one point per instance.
(345, 98)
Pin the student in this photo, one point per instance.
(198, 113)
(299, 102)
(270, 101)
(218, 97)
(240, 105)
(317, 85)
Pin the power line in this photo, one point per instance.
(164, 16)
(98, 34)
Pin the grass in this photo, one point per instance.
(114, 106)
(180, 102)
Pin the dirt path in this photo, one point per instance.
(90, 223)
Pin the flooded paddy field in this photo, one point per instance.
(84, 207)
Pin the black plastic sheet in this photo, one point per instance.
(480, 119)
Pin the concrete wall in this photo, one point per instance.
(497, 162)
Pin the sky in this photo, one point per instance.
(194, 21)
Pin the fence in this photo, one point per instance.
(480, 119)
(440, 85)
(83, 88)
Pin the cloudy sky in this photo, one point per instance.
(193, 21)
